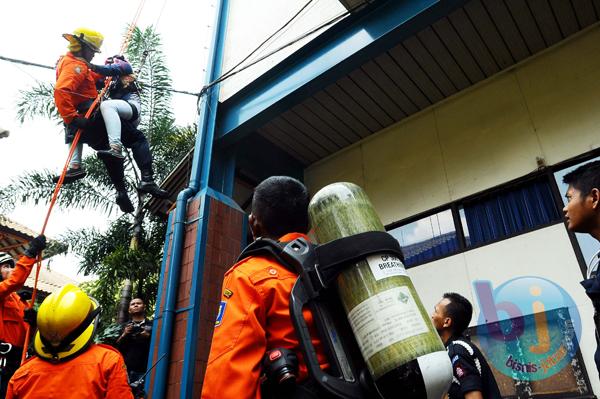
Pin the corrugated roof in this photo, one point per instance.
(49, 280)
(465, 47)
(14, 236)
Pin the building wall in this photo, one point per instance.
(479, 138)
(546, 107)
(251, 22)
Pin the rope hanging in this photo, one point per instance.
(59, 184)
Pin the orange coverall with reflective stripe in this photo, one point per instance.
(97, 373)
(254, 317)
(12, 326)
(75, 83)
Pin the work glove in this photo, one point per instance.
(30, 317)
(36, 246)
(80, 122)
(24, 295)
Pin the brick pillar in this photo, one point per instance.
(225, 233)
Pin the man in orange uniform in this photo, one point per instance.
(12, 325)
(68, 364)
(254, 312)
(74, 92)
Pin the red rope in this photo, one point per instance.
(64, 171)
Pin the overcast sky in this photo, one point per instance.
(31, 30)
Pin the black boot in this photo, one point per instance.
(124, 202)
(147, 185)
(71, 175)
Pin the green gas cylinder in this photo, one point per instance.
(397, 340)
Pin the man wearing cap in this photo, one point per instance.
(74, 92)
(12, 325)
(67, 363)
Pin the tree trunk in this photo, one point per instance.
(125, 297)
(123, 314)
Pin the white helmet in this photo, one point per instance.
(6, 258)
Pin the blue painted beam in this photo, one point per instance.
(331, 55)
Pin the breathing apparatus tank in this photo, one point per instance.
(402, 351)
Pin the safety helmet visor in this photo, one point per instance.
(67, 321)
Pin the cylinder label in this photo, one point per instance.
(385, 265)
(384, 319)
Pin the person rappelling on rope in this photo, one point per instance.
(74, 92)
(12, 316)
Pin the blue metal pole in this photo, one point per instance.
(212, 98)
(203, 137)
(213, 72)
(156, 316)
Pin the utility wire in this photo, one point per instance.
(231, 73)
(23, 62)
(268, 38)
(14, 60)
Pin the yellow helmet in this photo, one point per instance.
(67, 321)
(89, 37)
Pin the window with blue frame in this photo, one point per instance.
(499, 214)
(428, 238)
(510, 212)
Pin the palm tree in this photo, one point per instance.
(107, 254)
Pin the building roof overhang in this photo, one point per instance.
(386, 62)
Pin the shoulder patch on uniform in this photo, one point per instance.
(454, 359)
(77, 69)
(221, 313)
(459, 371)
(227, 293)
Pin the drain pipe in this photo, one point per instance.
(200, 161)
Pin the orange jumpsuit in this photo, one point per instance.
(253, 318)
(97, 373)
(12, 326)
(75, 83)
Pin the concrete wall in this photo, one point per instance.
(251, 22)
(546, 107)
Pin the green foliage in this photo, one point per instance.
(109, 334)
(144, 53)
(107, 255)
(36, 187)
(37, 101)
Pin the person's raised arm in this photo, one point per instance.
(23, 267)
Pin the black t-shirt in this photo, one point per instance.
(470, 371)
(135, 347)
